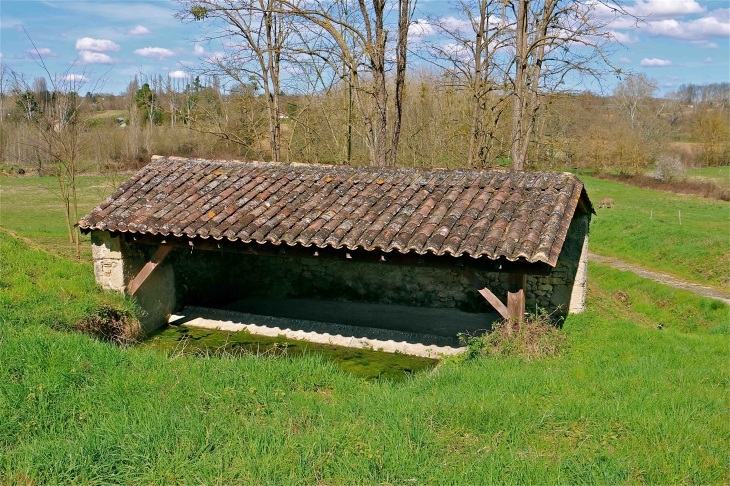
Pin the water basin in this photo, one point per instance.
(365, 363)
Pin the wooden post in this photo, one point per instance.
(156, 259)
(680, 217)
(516, 284)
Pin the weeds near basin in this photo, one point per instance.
(115, 324)
(536, 337)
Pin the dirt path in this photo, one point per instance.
(663, 278)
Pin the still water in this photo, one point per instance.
(360, 362)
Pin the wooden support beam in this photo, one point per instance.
(516, 284)
(149, 267)
(486, 293)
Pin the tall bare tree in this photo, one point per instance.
(361, 50)
(254, 34)
(556, 42)
(467, 45)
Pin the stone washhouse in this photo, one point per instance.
(478, 243)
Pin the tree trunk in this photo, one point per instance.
(400, 76)
(519, 101)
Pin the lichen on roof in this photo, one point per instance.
(479, 213)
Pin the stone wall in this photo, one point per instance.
(117, 262)
(214, 279)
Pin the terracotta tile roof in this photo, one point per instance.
(515, 215)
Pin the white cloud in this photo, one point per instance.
(216, 58)
(457, 25)
(73, 78)
(419, 29)
(456, 51)
(623, 38)
(138, 30)
(625, 60)
(654, 62)
(88, 57)
(158, 53)
(708, 60)
(178, 75)
(1, 55)
(97, 45)
(185, 63)
(703, 44)
(656, 9)
(43, 51)
(716, 24)
(198, 50)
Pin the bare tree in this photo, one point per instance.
(555, 42)
(361, 51)
(254, 34)
(468, 45)
(58, 131)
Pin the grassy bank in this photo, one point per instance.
(644, 229)
(717, 175)
(31, 207)
(626, 403)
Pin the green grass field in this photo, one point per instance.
(625, 403)
(31, 207)
(717, 175)
(110, 114)
(644, 229)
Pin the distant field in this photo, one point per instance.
(644, 229)
(111, 114)
(625, 403)
(31, 207)
(717, 175)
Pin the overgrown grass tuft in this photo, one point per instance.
(536, 337)
(111, 323)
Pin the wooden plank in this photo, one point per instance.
(495, 302)
(516, 284)
(486, 293)
(148, 268)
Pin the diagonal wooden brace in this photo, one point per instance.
(148, 268)
(486, 293)
(516, 283)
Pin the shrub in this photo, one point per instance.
(111, 323)
(534, 338)
(669, 168)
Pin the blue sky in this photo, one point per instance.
(680, 41)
